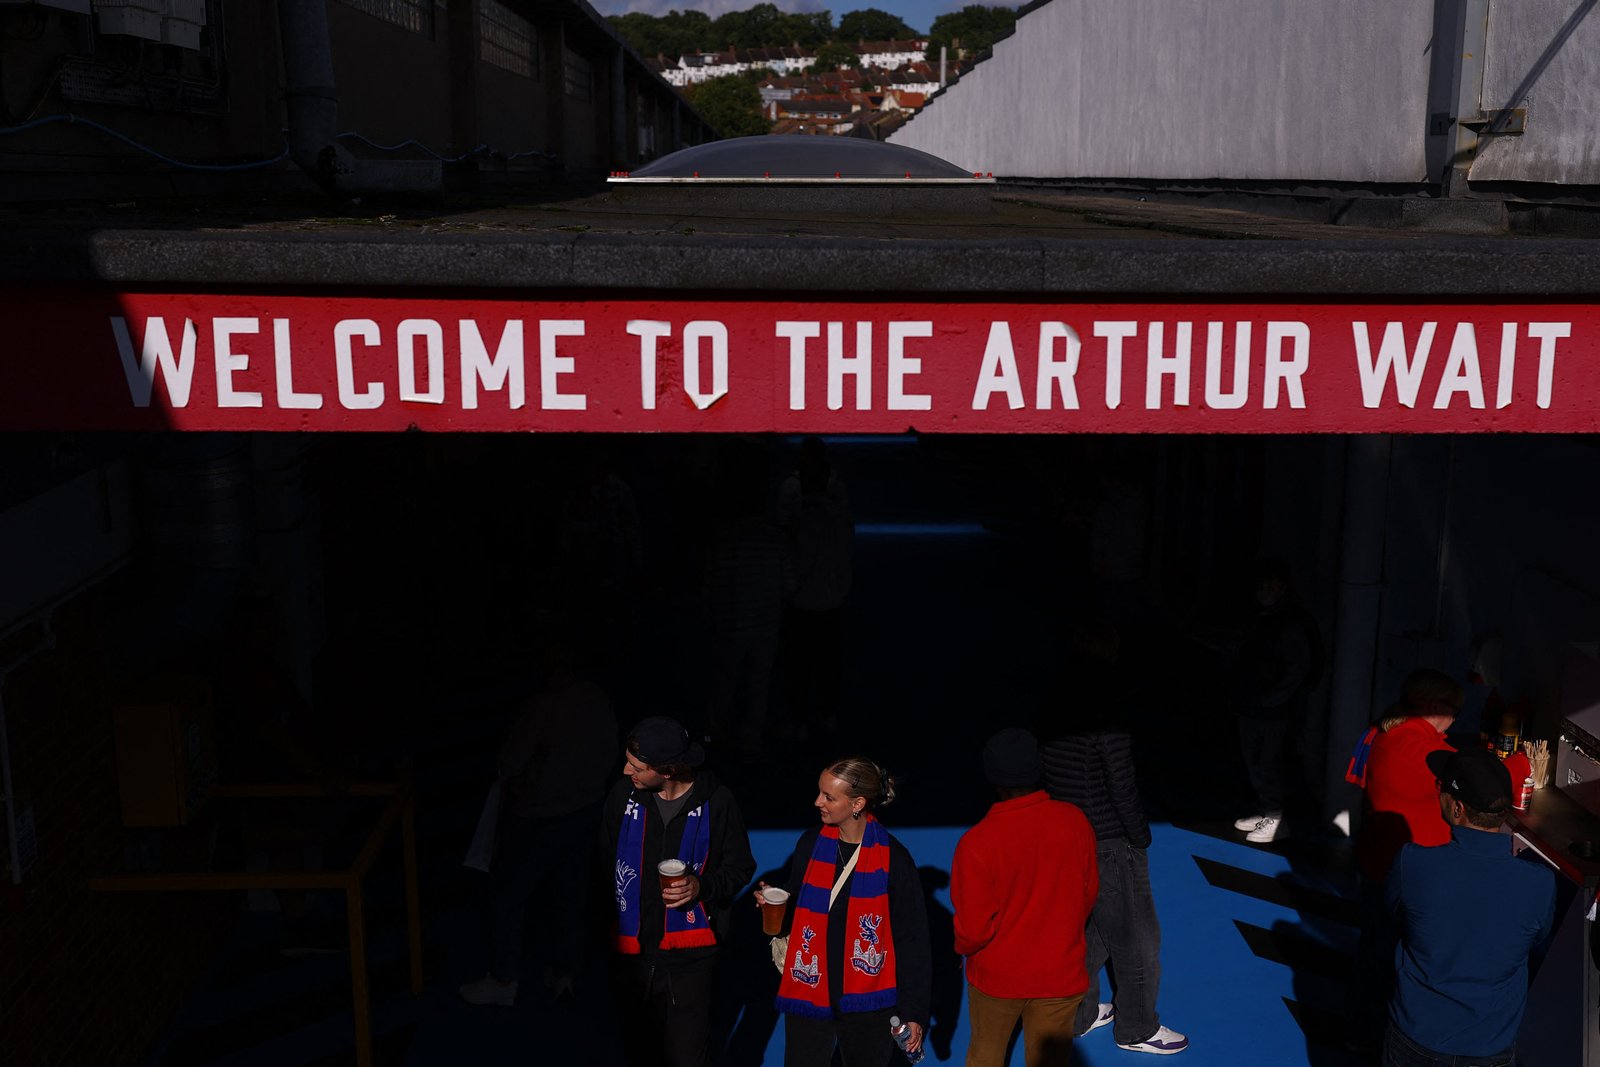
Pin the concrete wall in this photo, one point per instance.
(394, 84)
(1490, 536)
(1543, 55)
(512, 115)
(1195, 89)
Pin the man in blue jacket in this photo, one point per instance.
(1471, 914)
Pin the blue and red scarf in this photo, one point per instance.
(1356, 773)
(869, 980)
(685, 927)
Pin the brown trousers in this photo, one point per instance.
(1046, 1028)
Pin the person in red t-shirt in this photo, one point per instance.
(1402, 806)
(1023, 882)
(1402, 796)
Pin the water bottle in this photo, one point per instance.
(901, 1033)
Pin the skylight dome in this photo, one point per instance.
(797, 158)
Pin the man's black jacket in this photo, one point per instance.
(728, 869)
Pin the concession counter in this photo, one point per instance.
(1562, 827)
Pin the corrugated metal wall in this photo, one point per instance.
(1341, 90)
(1544, 55)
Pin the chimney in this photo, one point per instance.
(944, 56)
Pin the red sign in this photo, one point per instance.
(271, 362)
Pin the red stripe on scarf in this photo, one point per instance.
(869, 970)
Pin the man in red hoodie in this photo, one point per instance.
(1023, 882)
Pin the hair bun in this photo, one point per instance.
(888, 786)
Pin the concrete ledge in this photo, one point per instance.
(1484, 218)
(614, 262)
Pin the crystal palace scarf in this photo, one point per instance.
(685, 927)
(869, 974)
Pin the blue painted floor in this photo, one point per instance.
(1233, 1003)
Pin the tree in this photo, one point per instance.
(731, 104)
(835, 56)
(670, 35)
(974, 26)
(764, 26)
(870, 24)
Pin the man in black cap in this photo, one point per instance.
(677, 856)
(1023, 882)
(1471, 913)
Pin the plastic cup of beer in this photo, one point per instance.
(774, 902)
(672, 873)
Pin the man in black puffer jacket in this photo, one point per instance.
(1088, 761)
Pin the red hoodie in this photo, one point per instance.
(1402, 796)
(1023, 882)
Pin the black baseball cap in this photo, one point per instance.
(1476, 777)
(659, 740)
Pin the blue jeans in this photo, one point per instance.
(1123, 929)
(1400, 1051)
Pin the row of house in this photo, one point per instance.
(918, 77)
(696, 67)
(844, 101)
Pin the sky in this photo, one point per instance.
(918, 14)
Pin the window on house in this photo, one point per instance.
(413, 15)
(507, 40)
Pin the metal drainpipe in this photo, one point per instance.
(309, 92)
(6, 779)
(1359, 615)
(1472, 34)
(10, 792)
(619, 109)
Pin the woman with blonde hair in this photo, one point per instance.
(855, 951)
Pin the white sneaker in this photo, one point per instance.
(490, 991)
(1107, 1013)
(1163, 1042)
(1266, 830)
(1248, 823)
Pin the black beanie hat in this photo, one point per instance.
(1011, 759)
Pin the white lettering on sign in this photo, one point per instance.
(226, 361)
(1508, 363)
(505, 370)
(1461, 371)
(717, 334)
(1114, 334)
(432, 335)
(552, 366)
(1059, 373)
(156, 352)
(858, 366)
(1158, 365)
(1235, 397)
(1393, 359)
(919, 365)
(344, 331)
(648, 331)
(902, 366)
(797, 333)
(999, 371)
(283, 365)
(1287, 372)
(1547, 334)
